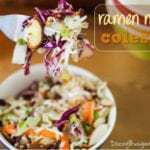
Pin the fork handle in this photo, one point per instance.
(1, 20)
(10, 25)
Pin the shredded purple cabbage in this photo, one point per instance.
(76, 130)
(63, 9)
(61, 4)
(52, 57)
(48, 45)
(64, 6)
(65, 116)
(26, 22)
(51, 42)
(84, 45)
(88, 44)
(27, 64)
(52, 64)
(42, 14)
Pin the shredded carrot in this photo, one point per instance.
(43, 93)
(64, 145)
(88, 111)
(9, 128)
(30, 132)
(48, 134)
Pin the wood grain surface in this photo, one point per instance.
(127, 77)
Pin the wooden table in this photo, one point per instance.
(127, 77)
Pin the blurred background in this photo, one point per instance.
(128, 77)
(87, 4)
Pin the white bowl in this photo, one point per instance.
(17, 82)
(137, 30)
(139, 6)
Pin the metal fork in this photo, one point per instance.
(11, 25)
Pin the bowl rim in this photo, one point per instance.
(138, 28)
(137, 31)
(75, 70)
(130, 5)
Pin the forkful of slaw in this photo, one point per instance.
(55, 33)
